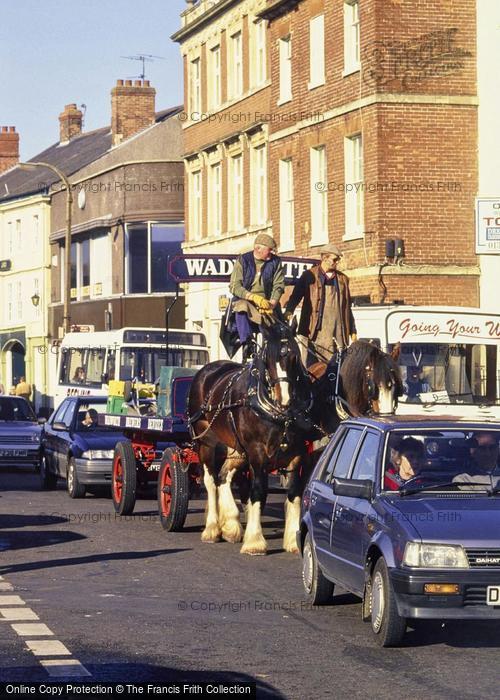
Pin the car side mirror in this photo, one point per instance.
(41, 421)
(355, 488)
(59, 425)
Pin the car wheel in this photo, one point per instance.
(48, 481)
(75, 488)
(319, 590)
(387, 624)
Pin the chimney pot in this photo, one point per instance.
(9, 148)
(132, 108)
(70, 123)
(119, 83)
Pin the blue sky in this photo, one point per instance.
(56, 52)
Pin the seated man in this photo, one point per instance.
(406, 461)
(415, 383)
(90, 420)
(257, 283)
(483, 459)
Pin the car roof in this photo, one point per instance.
(391, 422)
(86, 399)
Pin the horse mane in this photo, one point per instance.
(361, 356)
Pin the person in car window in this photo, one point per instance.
(406, 461)
(483, 459)
(90, 419)
(79, 376)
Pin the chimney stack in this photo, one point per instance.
(9, 147)
(132, 108)
(70, 123)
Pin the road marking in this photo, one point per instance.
(47, 647)
(18, 614)
(11, 600)
(58, 668)
(32, 629)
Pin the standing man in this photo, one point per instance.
(257, 283)
(326, 319)
(24, 389)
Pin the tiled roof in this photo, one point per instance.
(69, 158)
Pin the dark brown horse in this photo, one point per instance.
(369, 381)
(255, 419)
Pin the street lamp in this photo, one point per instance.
(67, 239)
(35, 299)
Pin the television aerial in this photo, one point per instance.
(144, 58)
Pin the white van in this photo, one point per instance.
(450, 356)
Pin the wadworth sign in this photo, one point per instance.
(218, 268)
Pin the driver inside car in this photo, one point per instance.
(406, 462)
(90, 419)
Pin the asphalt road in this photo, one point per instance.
(131, 602)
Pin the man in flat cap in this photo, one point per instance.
(326, 318)
(257, 283)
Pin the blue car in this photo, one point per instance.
(404, 512)
(19, 433)
(74, 447)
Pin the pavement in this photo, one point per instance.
(118, 598)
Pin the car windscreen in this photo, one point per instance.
(16, 410)
(441, 459)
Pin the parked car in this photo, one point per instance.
(404, 512)
(19, 433)
(74, 447)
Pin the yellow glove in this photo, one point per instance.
(256, 299)
(267, 311)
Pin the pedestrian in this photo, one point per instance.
(24, 389)
(257, 283)
(326, 319)
(2, 389)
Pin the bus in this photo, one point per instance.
(449, 356)
(88, 361)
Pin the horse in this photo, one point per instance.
(257, 415)
(368, 382)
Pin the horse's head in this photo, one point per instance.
(283, 361)
(371, 379)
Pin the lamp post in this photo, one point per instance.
(67, 239)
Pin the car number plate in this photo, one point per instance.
(493, 595)
(154, 467)
(13, 453)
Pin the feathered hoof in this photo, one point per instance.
(211, 534)
(232, 531)
(292, 548)
(254, 549)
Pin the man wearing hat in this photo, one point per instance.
(257, 283)
(326, 319)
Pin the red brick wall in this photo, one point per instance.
(9, 147)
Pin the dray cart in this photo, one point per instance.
(157, 449)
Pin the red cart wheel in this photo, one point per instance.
(124, 478)
(173, 491)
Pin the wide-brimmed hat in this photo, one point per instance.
(331, 249)
(265, 239)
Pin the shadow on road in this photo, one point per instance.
(126, 672)
(9, 521)
(30, 539)
(92, 558)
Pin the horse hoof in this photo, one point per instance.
(211, 534)
(232, 532)
(292, 549)
(253, 550)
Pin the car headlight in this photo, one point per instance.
(98, 454)
(435, 556)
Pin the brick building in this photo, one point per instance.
(225, 125)
(368, 121)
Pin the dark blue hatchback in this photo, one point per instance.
(74, 447)
(19, 433)
(405, 513)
